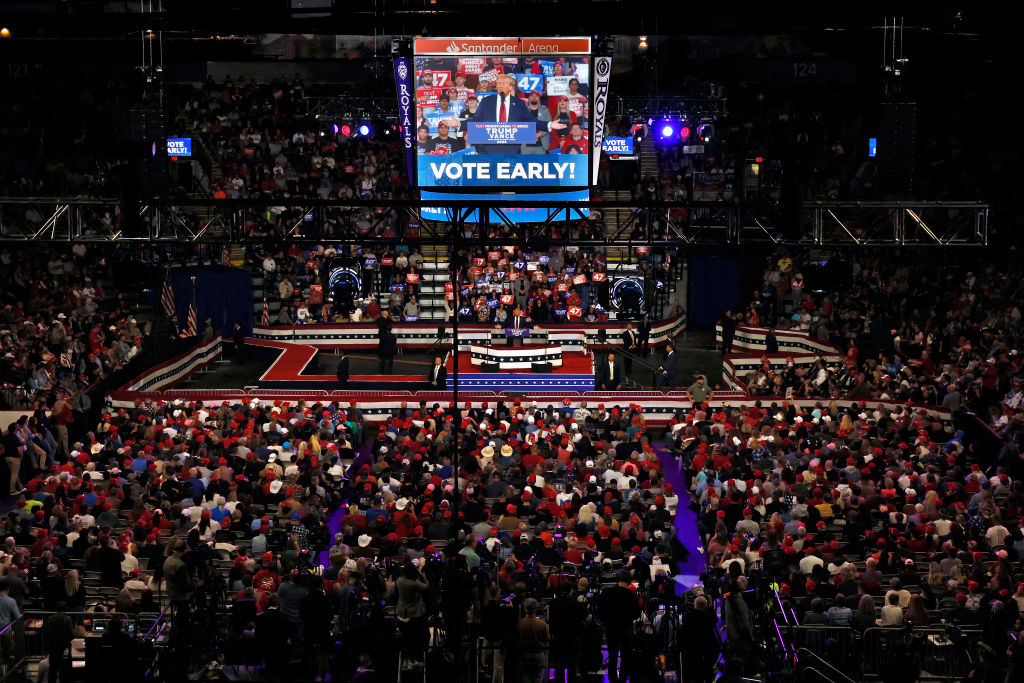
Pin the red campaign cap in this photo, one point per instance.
(493, 532)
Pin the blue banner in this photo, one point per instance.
(492, 303)
(502, 170)
(405, 102)
(513, 332)
(182, 147)
(465, 310)
(501, 133)
(515, 215)
(618, 145)
(370, 262)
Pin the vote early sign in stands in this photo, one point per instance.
(179, 147)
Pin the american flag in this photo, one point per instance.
(192, 324)
(167, 295)
(265, 320)
(225, 258)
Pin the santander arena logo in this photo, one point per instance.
(501, 46)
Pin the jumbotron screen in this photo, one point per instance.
(502, 115)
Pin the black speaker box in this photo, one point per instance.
(490, 367)
(542, 367)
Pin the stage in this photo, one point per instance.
(576, 373)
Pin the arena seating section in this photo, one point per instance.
(862, 503)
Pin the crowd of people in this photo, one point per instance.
(546, 503)
(61, 330)
(552, 285)
(904, 514)
(863, 516)
(267, 144)
(906, 331)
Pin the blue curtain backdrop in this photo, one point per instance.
(223, 294)
(715, 285)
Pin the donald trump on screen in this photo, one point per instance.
(506, 107)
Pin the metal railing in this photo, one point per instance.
(14, 398)
(12, 647)
(940, 653)
(838, 224)
(821, 667)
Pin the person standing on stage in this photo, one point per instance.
(342, 370)
(437, 377)
(643, 343)
(629, 345)
(728, 324)
(516, 320)
(667, 371)
(388, 348)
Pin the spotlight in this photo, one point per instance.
(667, 128)
(346, 129)
(335, 129)
(684, 132)
(364, 129)
(5, 32)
